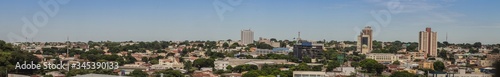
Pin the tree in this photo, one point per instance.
(496, 50)
(332, 65)
(477, 45)
(446, 44)
(229, 67)
(396, 62)
(145, 59)
(234, 45)
(379, 68)
(169, 73)
(306, 59)
(273, 40)
(473, 51)
(368, 65)
(245, 67)
(187, 65)
(302, 67)
(402, 74)
(10, 55)
(138, 73)
(438, 66)
(251, 74)
(282, 44)
(443, 54)
(225, 45)
(355, 64)
(202, 62)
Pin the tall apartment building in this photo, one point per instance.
(428, 42)
(246, 37)
(365, 40)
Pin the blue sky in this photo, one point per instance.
(465, 21)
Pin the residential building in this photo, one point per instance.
(232, 75)
(247, 37)
(204, 74)
(417, 55)
(428, 42)
(365, 39)
(461, 73)
(427, 65)
(169, 63)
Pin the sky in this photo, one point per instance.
(463, 21)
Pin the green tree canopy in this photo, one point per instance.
(439, 66)
(402, 74)
(138, 73)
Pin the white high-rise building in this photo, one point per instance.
(428, 42)
(246, 37)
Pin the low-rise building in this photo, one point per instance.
(309, 74)
(383, 57)
(461, 73)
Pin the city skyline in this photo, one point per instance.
(112, 20)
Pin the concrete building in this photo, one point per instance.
(268, 41)
(427, 65)
(284, 51)
(383, 57)
(461, 73)
(169, 63)
(309, 74)
(417, 55)
(365, 39)
(307, 49)
(428, 42)
(246, 37)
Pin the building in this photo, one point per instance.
(232, 75)
(307, 49)
(383, 57)
(460, 73)
(204, 74)
(169, 63)
(223, 64)
(284, 51)
(246, 37)
(365, 39)
(428, 42)
(268, 41)
(427, 65)
(417, 55)
(309, 74)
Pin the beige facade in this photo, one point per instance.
(365, 40)
(246, 37)
(383, 57)
(428, 42)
